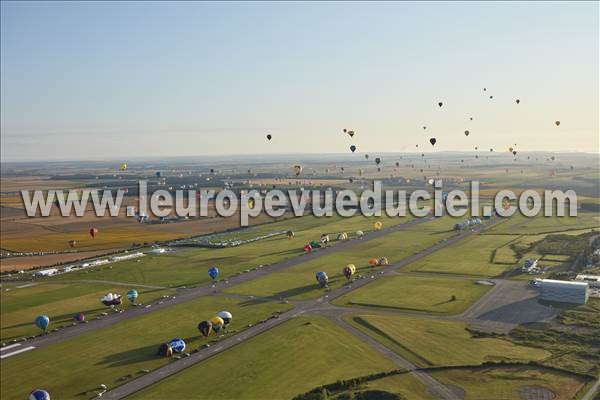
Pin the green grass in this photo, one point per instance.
(519, 224)
(103, 356)
(436, 342)
(411, 293)
(299, 282)
(288, 360)
(20, 306)
(190, 266)
(405, 384)
(504, 382)
(471, 256)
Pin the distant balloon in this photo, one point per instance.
(93, 232)
(322, 278)
(111, 299)
(298, 169)
(484, 89)
(367, 156)
(42, 322)
(290, 235)
(213, 272)
(440, 104)
(377, 160)
(132, 295)
(517, 101)
(350, 133)
(433, 141)
(471, 118)
(72, 243)
(353, 148)
(467, 133)
(514, 152)
(269, 137)
(39, 394)
(123, 166)
(424, 127)
(79, 317)
(205, 327)
(557, 123)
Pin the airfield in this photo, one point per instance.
(450, 317)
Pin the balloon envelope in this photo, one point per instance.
(177, 344)
(42, 322)
(39, 394)
(205, 327)
(132, 294)
(213, 272)
(225, 316)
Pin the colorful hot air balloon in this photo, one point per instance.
(269, 137)
(290, 235)
(39, 394)
(123, 166)
(72, 243)
(111, 299)
(79, 317)
(348, 271)
(343, 236)
(205, 327)
(42, 322)
(226, 317)
(373, 262)
(93, 232)
(298, 169)
(217, 323)
(307, 248)
(378, 225)
(177, 344)
(467, 133)
(132, 295)
(213, 272)
(353, 148)
(432, 141)
(322, 278)
(366, 156)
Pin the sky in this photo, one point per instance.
(116, 80)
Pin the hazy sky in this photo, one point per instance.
(117, 80)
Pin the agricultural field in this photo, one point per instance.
(435, 342)
(417, 293)
(319, 351)
(519, 224)
(69, 368)
(21, 304)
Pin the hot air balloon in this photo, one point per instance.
(226, 317)
(297, 169)
(353, 148)
(39, 394)
(557, 123)
(177, 344)
(72, 243)
(552, 158)
(373, 262)
(269, 137)
(315, 245)
(491, 150)
(377, 160)
(397, 164)
(212, 170)
(93, 232)
(79, 317)
(351, 133)
(111, 299)
(424, 127)
(514, 152)
(132, 295)
(360, 234)
(217, 323)
(491, 97)
(165, 350)
(123, 166)
(467, 133)
(517, 101)
(213, 272)
(290, 235)
(322, 278)
(432, 141)
(360, 172)
(42, 322)
(158, 174)
(383, 261)
(324, 238)
(440, 104)
(506, 204)
(307, 248)
(366, 156)
(348, 271)
(484, 89)
(205, 327)
(343, 236)
(378, 225)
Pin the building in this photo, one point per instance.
(46, 272)
(531, 267)
(592, 280)
(563, 291)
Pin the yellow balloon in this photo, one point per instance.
(216, 320)
(378, 225)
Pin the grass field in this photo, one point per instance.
(412, 293)
(299, 281)
(472, 256)
(104, 356)
(496, 383)
(60, 302)
(432, 342)
(290, 359)
(518, 224)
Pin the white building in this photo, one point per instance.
(46, 272)
(563, 291)
(592, 280)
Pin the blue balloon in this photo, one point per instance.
(213, 272)
(42, 322)
(177, 344)
(39, 394)
(132, 295)
(158, 174)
